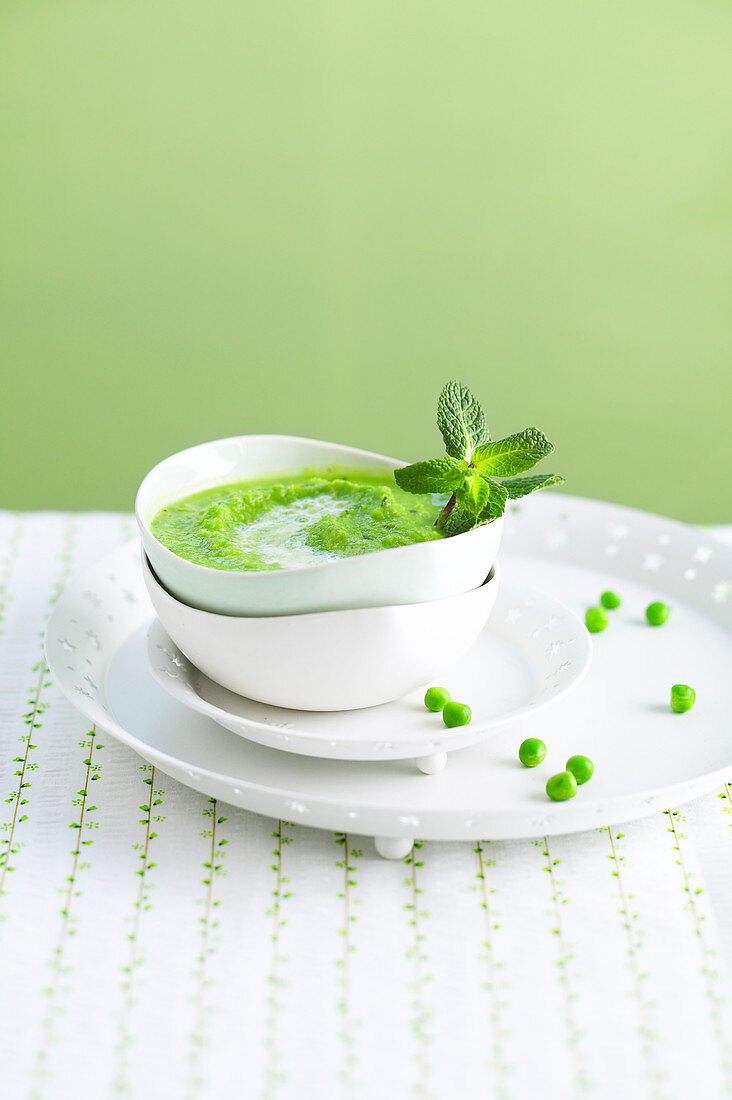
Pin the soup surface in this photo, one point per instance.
(295, 521)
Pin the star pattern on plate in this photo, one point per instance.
(278, 725)
(555, 539)
(652, 562)
(513, 615)
(721, 592)
(702, 554)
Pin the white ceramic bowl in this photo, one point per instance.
(330, 660)
(406, 574)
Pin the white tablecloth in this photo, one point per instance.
(154, 943)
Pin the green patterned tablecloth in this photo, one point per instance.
(154, 943)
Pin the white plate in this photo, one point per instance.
(532, 651)
(646, 758)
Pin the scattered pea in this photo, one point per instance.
(611, 600)
(562, 786)
(595, 619)
(682, 698)
(456, 714)
(657, 613)
(531, 752)
(435, 698)
(581, 768)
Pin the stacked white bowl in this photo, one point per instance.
(348, 633)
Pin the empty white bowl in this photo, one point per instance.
(423, 571)
(331, 660)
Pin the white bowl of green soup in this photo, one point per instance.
(278, 525)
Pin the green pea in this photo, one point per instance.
(435, 698)
(611, 600)
(531, 752)
(682, 698)
(456, 714)
(562, 786)
(581, 768)
(595, 619)
(657, 613)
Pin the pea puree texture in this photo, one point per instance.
(295, 521)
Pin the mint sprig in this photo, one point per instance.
(468, 473)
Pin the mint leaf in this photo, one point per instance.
(474, 494)
(512, 455)
(460, 419)
(478, 501)
(496, 502)
(521, 486)
(459, 521)
(439, 475)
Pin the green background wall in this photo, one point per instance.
(237, 216)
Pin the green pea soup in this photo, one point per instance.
(294, 521)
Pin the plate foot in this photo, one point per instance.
(432, 764)
(393, 847)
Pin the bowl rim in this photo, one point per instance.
(149, 575)
(210, 570)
